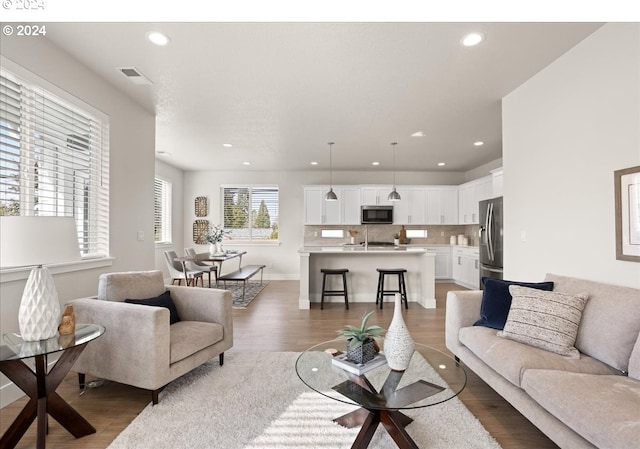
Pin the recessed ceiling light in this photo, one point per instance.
(418, 134)
(441, 164)
(227, 145)
(479, 143)
(246, 163)
(375, 163)
(472, 39)
(314, 163)
(158, 38)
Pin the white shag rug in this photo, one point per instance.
(256, 401)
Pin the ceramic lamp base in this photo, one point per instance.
(39, 312)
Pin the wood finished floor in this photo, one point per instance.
(273, 322)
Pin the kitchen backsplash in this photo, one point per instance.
(436, 234)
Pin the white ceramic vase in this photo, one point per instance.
(219, 248)
(39, 312)
(398, 344)
(212, 248)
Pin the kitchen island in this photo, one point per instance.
(363, 277)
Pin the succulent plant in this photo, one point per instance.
(360, 335)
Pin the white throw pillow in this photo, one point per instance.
(546, 320)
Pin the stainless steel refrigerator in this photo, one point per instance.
(491, 249)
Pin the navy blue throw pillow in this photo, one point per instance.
(496, 300)
(164, 300)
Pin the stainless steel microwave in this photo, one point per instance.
(376, 214)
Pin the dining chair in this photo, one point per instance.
(176, 271)
(190, 252)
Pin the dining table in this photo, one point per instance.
(216, 259)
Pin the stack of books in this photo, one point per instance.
(341, 362)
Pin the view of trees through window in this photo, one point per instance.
(250, 213)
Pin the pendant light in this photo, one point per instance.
(394, 195)
(331, 195)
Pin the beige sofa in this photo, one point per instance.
(590, 402)
(140, 347)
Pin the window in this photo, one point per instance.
(54, 159)
(162, 211)
(250, 212)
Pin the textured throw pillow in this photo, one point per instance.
(496, 300)
(164, 300)
(546, 320)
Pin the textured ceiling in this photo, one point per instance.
(278, 92)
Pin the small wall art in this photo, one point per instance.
(627, 197)
(200, 229)
(201, 206)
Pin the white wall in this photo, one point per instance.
(132, 142)
(283, 261)
(565, 131)
(178, 210)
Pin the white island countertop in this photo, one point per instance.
(362, 278)
(361, 249)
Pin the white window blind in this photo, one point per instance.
(54, 161)
(162, 211)
(251, 212)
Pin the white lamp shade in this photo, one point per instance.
(28, 241)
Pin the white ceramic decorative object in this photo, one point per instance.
(219, 248)
(39, 312)
(398, 344)
(212, 248)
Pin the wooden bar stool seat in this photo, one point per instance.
(402, 287)
(339, 272)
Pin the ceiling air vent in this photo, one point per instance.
(134, 75)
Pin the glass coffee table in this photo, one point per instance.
(40, 385)
(381, 393)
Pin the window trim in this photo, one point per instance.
(167, 203)
(100, 205)
(250, 242)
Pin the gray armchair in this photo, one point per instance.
(139, 346)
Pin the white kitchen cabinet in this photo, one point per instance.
(441, 205)
(350, 204)
(443, 264)
(346, 210)
(411, 209)
(469, 194)
(466, 266)
(375, 195)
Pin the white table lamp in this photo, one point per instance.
(27, 241)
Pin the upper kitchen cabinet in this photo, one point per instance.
(442, 205)
(375, 195)
(469, 194)
(412, 208)
(346, 210)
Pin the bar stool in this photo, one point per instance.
(334, 271)
(402, 288)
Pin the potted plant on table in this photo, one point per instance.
(214, 237)
(361, 344)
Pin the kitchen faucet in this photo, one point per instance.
(366, 237)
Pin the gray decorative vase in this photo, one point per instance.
(363, 353)
(398, 344)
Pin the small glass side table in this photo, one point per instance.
(41, 385)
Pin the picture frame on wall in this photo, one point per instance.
(627, 207)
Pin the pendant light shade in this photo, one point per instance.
(331, 195)
(394, 195)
